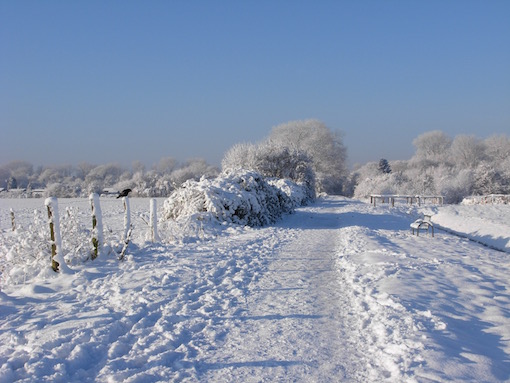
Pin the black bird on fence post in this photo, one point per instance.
(124, 193)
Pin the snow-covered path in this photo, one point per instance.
(290, 329)
(338, 291)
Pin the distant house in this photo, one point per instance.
(38, 193)
(109, 192)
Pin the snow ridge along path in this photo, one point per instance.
(338, 291)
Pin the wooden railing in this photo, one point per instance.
(410, 199)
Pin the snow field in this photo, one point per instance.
(338, 291)
(147, 320)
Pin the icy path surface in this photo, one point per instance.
(338, 291)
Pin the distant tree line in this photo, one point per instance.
(306, 152)
(21, 177)
(454, 168)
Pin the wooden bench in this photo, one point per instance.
(424, 223)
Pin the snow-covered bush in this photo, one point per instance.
(323, 146)
(273, 161)
(240, 156)
(298, 195)
(27, 251)
(240, 197)
(454, 187)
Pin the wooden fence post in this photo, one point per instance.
(57, 257)
(13, 222)
(97, 225)
(154, 221)
(127, 218)
(54, 264)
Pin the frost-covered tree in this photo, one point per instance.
(22, 171)
(368, 179)
(283, 162)
(4, 176)
(55, 174)
(193, 169)
(467, 151)
(487, 180)
(166, 165)
(497, 148)
(384, 166)
(240, 156)
(324, 147)
(12, 183)
(83, 169)
(103, 176)
(504, 170)
(432, 147)
(274, 161)
(453, 168)
(454, 185)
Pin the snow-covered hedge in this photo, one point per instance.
(299, 195)
(240, 197)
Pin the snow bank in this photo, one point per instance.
(239, 197)
(487, 224)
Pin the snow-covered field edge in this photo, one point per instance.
(488, 225)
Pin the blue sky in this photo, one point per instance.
(120, 81)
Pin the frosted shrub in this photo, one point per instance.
(240, 197)
(27, 251)
(75, 236)
(298, 195)
(455, 187)
(273, 161)
(323, 147)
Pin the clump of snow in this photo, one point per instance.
(235, 197)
